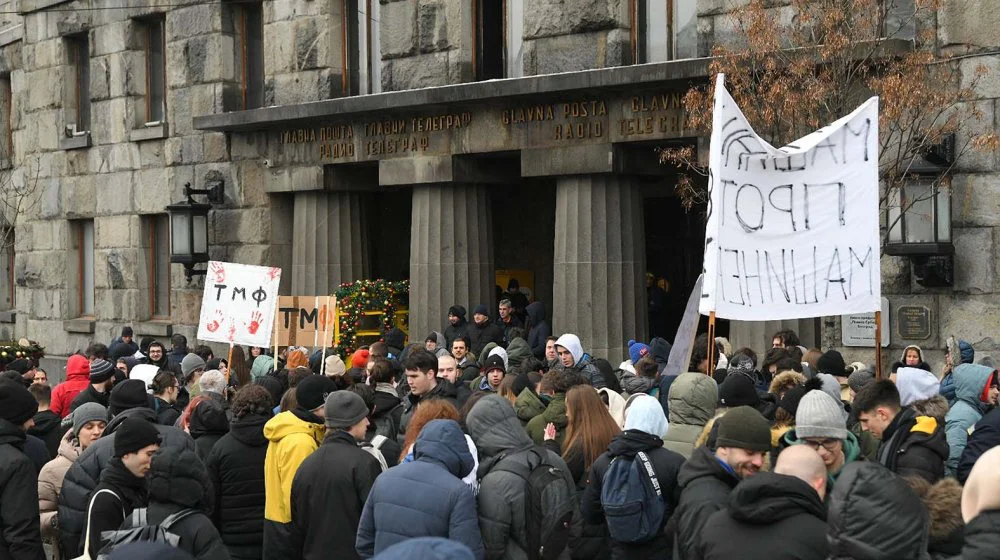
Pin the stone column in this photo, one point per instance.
(451, 254)
(329, 241)
(600, 261)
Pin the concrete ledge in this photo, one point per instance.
(11, 34)
(153, 328)
(572, 160)
(81, 326)
(422, 170)
(154, 132)
(8, 316)
(28, 6)
(74, 142)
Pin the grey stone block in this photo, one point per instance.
(974, 269)
(971, 22)
(971, 317)
(200, 19)
(398, 29)
(549, 18)
(567, 53)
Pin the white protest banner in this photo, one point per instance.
(238, 304)
(792, 232)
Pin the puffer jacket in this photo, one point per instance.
(446, 391)
(168, 413)
(179, 482)
(50, 481)
(209, 422)
(517, 351)
(769, 516)
(499, 437)
(637, 384)
(968, 408)
(692, 397)
(540, 329)
(858, 527)
(20, 537)
(705, 487)
(666, 464)
(528, 405)
(292, 435)
(236, 469)
(85, 474)
(982, 536)
(914, 445)
(424, 498)
(555, 413)
(984, 437)
(77, 379)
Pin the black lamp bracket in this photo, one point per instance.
(215, 192)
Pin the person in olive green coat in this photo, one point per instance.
(552, 391)
(692, 398)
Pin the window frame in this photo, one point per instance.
(477, 40)
(250, 98)
(79, 235)
(78, 46)
(7, 101)
(153, 222)
(147, 27)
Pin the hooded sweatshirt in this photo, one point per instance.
(582, 362)
(540, 329)
(291, 440)
(916, 384)
(77, 379)
(970, 382)
(693, 397)
(902, 359)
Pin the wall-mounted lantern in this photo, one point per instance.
(189, 227)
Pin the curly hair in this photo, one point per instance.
(252, 399)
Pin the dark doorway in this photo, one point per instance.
(388, 218)
(675, 250)
(490, 39)
(524, 233)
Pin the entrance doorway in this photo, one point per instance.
(524, 235)
(388, 216)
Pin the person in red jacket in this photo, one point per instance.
(77, 379)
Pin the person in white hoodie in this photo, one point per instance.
(572, 357)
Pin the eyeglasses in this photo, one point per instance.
(829, 444)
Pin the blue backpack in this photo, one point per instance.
(632, 499)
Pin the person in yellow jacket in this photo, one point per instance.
(292, 435)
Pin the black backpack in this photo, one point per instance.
(632, 499)
(137, 529)
(388, 424)
(549, 503)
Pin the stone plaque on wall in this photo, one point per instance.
(859, 329)
(913, 322)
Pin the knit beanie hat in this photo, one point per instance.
(335, 366)
(17, 405)
(311, 392)
(831, 362)
(126, 331)
(134, 434)
(273, 387)
(344, 409)
(360, 359)
(128, 394)
(790, 401)
(457, 311)
(481, 310)
(87, 412)
(820, 416)
(262, 365)
(190, 363)
(101, 371)
(738, 390)
(745, 428)
(495, 362)
(20, 365)
(860, 378)
(636, 350)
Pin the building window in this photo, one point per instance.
(78, 106)
(515, 38)
(249, 25)
(153, 43)
(362, 54)
(7, 131)
(663, 30)
(489, 40)
(7, 269)
(157, 228)
(83, 244)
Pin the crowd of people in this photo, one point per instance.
(495, 439)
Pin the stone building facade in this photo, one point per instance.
(435, 140)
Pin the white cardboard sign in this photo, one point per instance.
(238, 304)
(792, 232)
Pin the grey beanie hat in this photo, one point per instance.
(820, 416)
(860, 378)
(190, 363)
(344, 409)
(88, 412)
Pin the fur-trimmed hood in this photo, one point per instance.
(944, 504)
(936, 407)
(784, 378)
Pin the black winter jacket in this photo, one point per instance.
(445, 391)
(166, 413)
(328, 494)
(859, 527)
(90, 395)
(236, 469)
(458, 330)
(914, 445)
(666, 465)
(481, 335)
(705, 487)
(984, 437)
(539, 331)
(982, 536)
(769, 517)
(83, 476)
(106, 511)
(178, 481)
(20, 535)
(209, 422)
(48, 429)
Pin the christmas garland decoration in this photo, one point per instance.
(17, 349)
(354, 298)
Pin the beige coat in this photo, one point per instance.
(50, 481)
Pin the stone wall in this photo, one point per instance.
(573, 35)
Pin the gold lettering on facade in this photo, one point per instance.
(657, 102)
(534, 113)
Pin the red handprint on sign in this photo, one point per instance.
(255, 318)
(216, 322)
(218, 271)
(273, 273)
(232, 333)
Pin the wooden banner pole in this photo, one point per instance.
(711, 344)
(326, 335)
(229, 361)
(316, 332)
(878, 345)
(275, 361)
